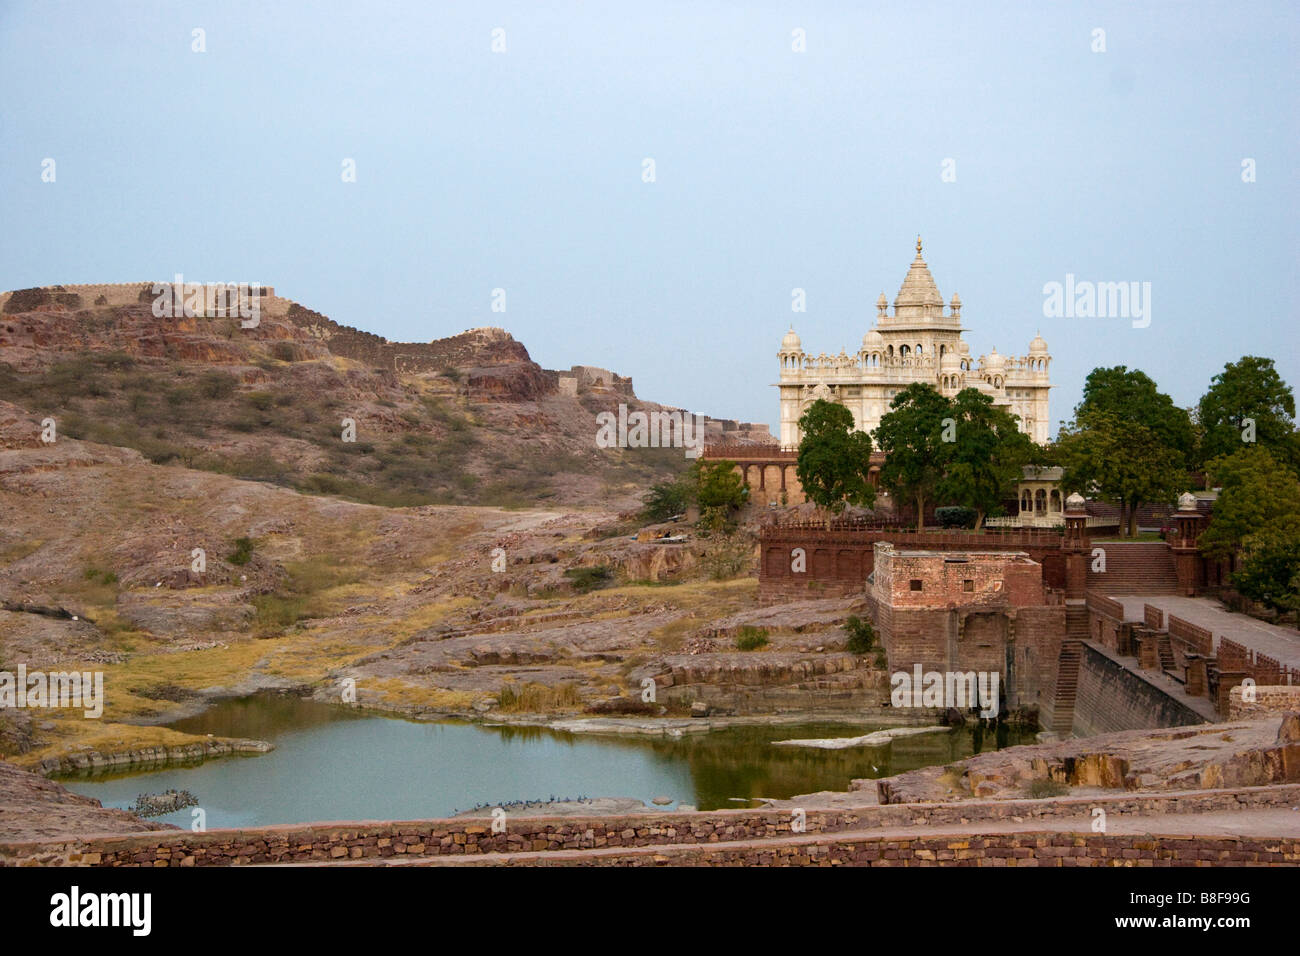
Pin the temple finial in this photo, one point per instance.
(918, 245)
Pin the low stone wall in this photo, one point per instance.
(1268, 700)
(1009, 849)
(431, 838)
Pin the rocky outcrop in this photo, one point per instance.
(1240, 754)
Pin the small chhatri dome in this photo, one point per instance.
(950, 361)
(1075, 503)
(965, 347)
(873, 341)
(882, 302)
(1187, 501)
(994, 361)
(1038, 346)
(791, 342)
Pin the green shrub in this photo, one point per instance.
(955, 516)
(751, 638)
(862, 636)
(590, 579)
(242, 553)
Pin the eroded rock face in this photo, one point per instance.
(1239, 754)
(32, 807)
(1288, 732)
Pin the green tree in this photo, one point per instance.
(911, 436)
(834, 459)
(1257, 492)
(669, 497)
(1131, 396)
(983, 461)
(1120, 461)
(719, 486)
(1249, 390)
(1270, 571)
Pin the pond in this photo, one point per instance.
(331, 763)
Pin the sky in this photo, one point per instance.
(999, 132)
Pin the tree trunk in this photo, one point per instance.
(979, 519)
(920, 513)
(1133, 520)
(1123, 518)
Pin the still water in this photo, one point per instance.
(334, 764)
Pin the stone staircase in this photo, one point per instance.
(1166, 652)
(1135, 567)
(1076, 622)
(1067, 687)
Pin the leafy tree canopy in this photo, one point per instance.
(1249, 389)
(911, 436)
(1257, 492)
(985, 456)
(834, 459)
(1131, 396)
(1121, 461)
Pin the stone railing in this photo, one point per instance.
(1198, 638)
(1105, 606)
(1153, 617)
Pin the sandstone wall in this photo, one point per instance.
(1111, 697)
(1268, 700)
(699, 833)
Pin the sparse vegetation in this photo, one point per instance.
(243, 552)
(538, 698)
(750, 638)
(590, 579)
(862, 636)
(1046, 787)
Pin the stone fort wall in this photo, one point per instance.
(118, 294)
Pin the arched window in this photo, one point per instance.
(902, 351)
(918, 348)
(1040, 502)
(1056, 499)
(1026, 506)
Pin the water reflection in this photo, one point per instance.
(332, 763)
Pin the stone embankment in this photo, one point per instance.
(93, 760)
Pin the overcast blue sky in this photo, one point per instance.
(522, 170)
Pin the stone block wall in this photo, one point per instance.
(1268, 701)
(699, 832)
(1111, 697)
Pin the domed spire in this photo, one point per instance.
(918, 298)
(1038, 345)
(791, 342)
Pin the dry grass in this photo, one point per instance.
(539, 698)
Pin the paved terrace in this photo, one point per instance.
(1280, 643)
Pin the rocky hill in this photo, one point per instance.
(469, 419)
